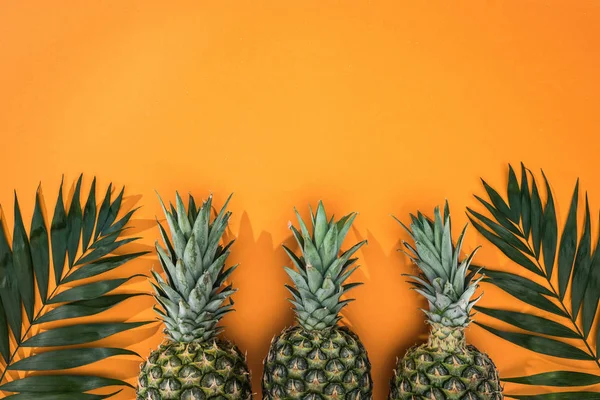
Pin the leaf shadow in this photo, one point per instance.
(258, 317)
(388, 306)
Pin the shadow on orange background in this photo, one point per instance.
(378, 107)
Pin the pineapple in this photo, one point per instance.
(445, 367)
(193, 362)
(317, 359)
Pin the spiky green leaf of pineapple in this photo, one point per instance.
(319, 359)
(445, 367)
(194, 363)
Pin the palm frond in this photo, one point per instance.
(561, 281)
(79, 244)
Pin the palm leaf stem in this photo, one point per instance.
(573, 321)
(24, 335)
(562, 304)
(37, 316)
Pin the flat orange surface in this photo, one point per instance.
(379, 107)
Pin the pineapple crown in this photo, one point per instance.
(194, 293)
(446, 283)
(320, 272)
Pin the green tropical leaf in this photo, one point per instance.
(4, 339)
(101, 266)
(496, 199)
(9, 290)
(89, 291)
(113, 210)
(85, 308)
(39, 245)
(58, 236)
(530, 322)
(101, 251)
(557, 378)
(559, 396)
(503, 233)
(568, 246)
(507, 279)
(60, 396)
(549, 231)
(22, 263)
(511, 252)
(60, 383)
(541, 344)
(514, 195)
(592, 294)
(578, 273)
(525, 203)
(117, 226)
(79, 334)
(512, 287)
(74, 221)
(583, 261)
(537, 214)
(502, 219)
(89, 217)
(103, 212)
(27, 261)
(67, 358)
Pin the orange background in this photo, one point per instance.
(380, 107)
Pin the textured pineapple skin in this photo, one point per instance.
(434, 373)
(195, 371)
(312, 365)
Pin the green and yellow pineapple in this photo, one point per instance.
(194, 363)
(317, 359)
(445, 367)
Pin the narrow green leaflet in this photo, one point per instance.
(84, 308)
(103, 265)
(568, 246)
(530, 322)
(27, 262)
(496, 199)
(79, 334)
(9, 290)
(514, 195)
(4, 340)
(67, 358)
(525, 203)
(502, 232)
(549, 231)
(573, 291)
(557, 378)
(117, 226)
(506, 279)
(60, 396)
(559, 396)
(102, 251)
(511, 252)
(537, 213)
(540, 344)
(22, 263)
(592, 294)
(583, 261)
(103, 212)
(60, 383)
(89, 217)
(58, 236)
(502, 219)
(113, 210)
(74, 221)
(89, 291)
(39, 247)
